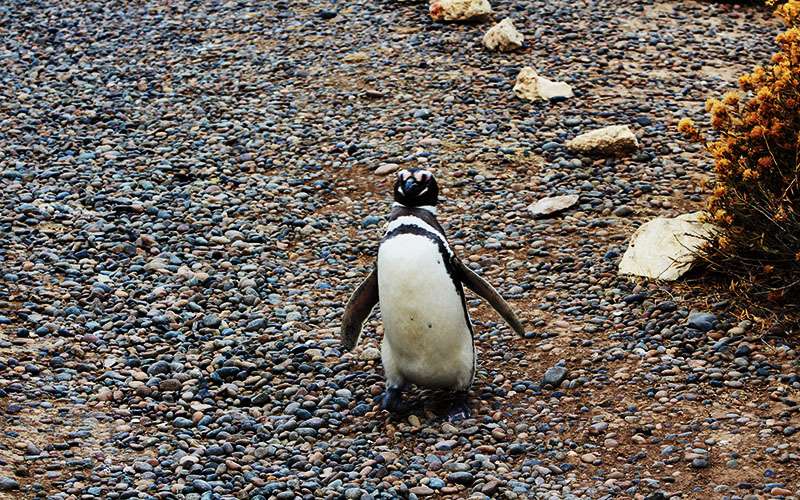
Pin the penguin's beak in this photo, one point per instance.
(410, 186)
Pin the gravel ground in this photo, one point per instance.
(187, 202)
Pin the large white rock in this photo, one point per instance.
(533, 87)
(459, 10)
(616, 140)
(503, 36)
(665, 248)
(548, 206)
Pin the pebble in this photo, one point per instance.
(461, 477)
(421, 491)
(701, 321)
(589, 458)
(623, 211)
(8, 484)
(554, 376)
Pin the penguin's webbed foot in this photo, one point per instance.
(391, 400)
(459, 409)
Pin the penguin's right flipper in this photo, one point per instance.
(358, 309)
(482, 288)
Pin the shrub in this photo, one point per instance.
(756, 152)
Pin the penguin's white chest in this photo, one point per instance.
(427, 339)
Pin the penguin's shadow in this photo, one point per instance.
(423, 402)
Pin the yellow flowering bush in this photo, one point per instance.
(756, 152)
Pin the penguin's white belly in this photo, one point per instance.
(427, 340)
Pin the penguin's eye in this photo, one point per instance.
(403, 175)
(422, 176)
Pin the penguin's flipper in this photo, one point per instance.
(358, 309)
(482, 288)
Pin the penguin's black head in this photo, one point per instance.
(415, 187)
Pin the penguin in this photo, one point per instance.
(418, 281)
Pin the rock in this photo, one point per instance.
(255, 325)
(421, 491)
(616, 140)
(665, 248)
(503, 37)
(370, 220)
(182, 423)
(532, 87)
(701, 321)
(436, 483)
(445, 445)
(589, 458)
(422, 113)
(105, 394)
(554, 376)
(327, 14)
(169, 385)
(622, 211)
(353, 493)
(159, 368)
(551, 205)
(8, 484)
(461, 477)
(356, 57)
(459, 10)
(370, 353)
(211, 321)
(490, 488)
(386, 168)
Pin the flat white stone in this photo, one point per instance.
(503, 36)
(665, 248)
(615, 140)
(459, 10)
(532, 87)
(548, 206)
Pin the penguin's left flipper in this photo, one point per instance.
(482, 288)
(358, 309)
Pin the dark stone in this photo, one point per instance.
(327, 14)
(463, 477)
(554, 376)
(8, 484)
(701, 321)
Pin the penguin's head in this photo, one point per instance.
(415, 187)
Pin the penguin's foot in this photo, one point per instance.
(391, 400)
(459, 409)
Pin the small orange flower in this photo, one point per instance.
(686, 126)
(731, 99)
(765, 162)
(711, 102)
(749, 175)
(758, 131)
